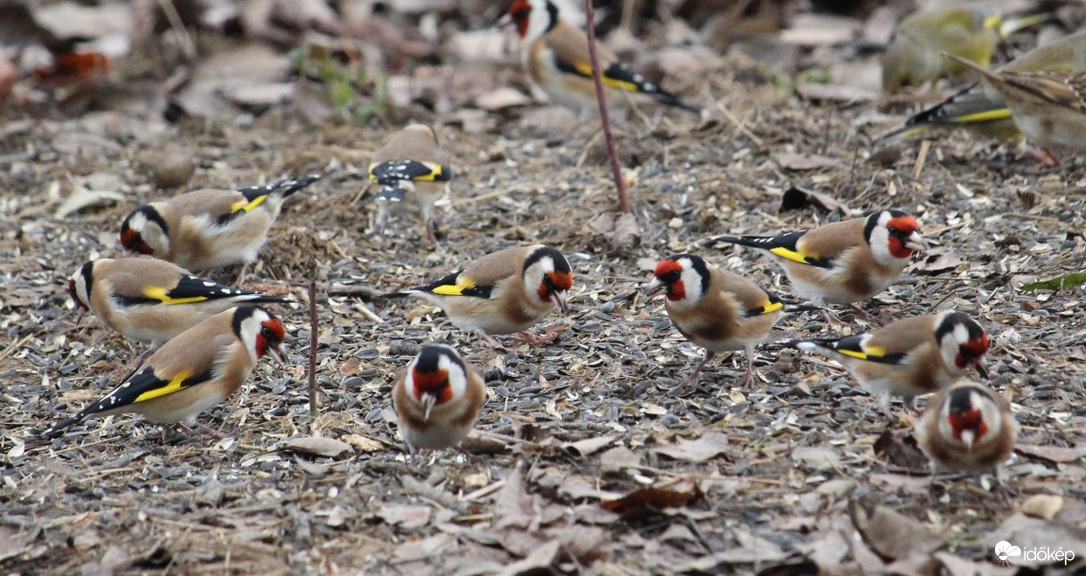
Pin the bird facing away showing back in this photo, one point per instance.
(209, 228)
(555, 54)
(150, 301)
(967, 427)
(198, 369)
(413, 172)
(843, 262)
(503, 292)
(437, 399)
(909, 357)
(716, 309)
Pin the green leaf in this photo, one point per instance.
(1060, 283)
(341, 93)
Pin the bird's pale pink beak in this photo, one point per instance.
(982, 368)
(916, 242)
(655, 288)
(428, 401)
(278, 354)
(559, 299)
(968, 437)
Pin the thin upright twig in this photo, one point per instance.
(616, 170)
(313, 413)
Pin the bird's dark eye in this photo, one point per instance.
(267, 333)
(672, 277)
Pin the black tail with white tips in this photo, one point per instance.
(284, 187)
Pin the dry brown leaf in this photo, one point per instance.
(617, 459)
(649, 501)
(901, 453)
(514, 506)
(796, 198)
(406, 517)
(1057, 454)
(538, 561)
(708, 446)
(316, 446)
(1043, 506)
(590, 445)
(890, 534)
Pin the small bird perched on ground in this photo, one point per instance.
(197, 369)
(437, 399)
(843, 262)
(1045, 90)
(413, 172)
(150, 301)
(1047, 108)
(209, 228)
(974, 109)
(557, 60)
(915, 56)
(969, 428)
(909, 357)
(716, 309)
(503, 292)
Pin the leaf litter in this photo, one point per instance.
(799, 474)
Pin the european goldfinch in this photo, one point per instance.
(413, 172)
(1046, 100)
(976, 110)
(197, 369)
(843, 262)
(503, 292)
(967, 427)
(437, 399)
(909, 357)
(209, 228)
(151, 301)
(915, 55)
(1045, 90)
(716, 309)
(557, 60)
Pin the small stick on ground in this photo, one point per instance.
(313, 412)
(616, 170)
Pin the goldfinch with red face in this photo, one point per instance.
(151, 301)
(209, 228)
(968, 428)
(503, 292)
(843, 262)
(437, 399)
(556, 57)
(716, 309)
(199, 368)
(910, 357)
(413, 172)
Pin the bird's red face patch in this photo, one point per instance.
(900, 229)
(75, 295)
(968, 420)
(521, 11)
(670, 273)
(270, 336)
(131, 240)
(434, 383)
(554, 281)
(970, 352)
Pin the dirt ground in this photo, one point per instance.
(800, 474)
